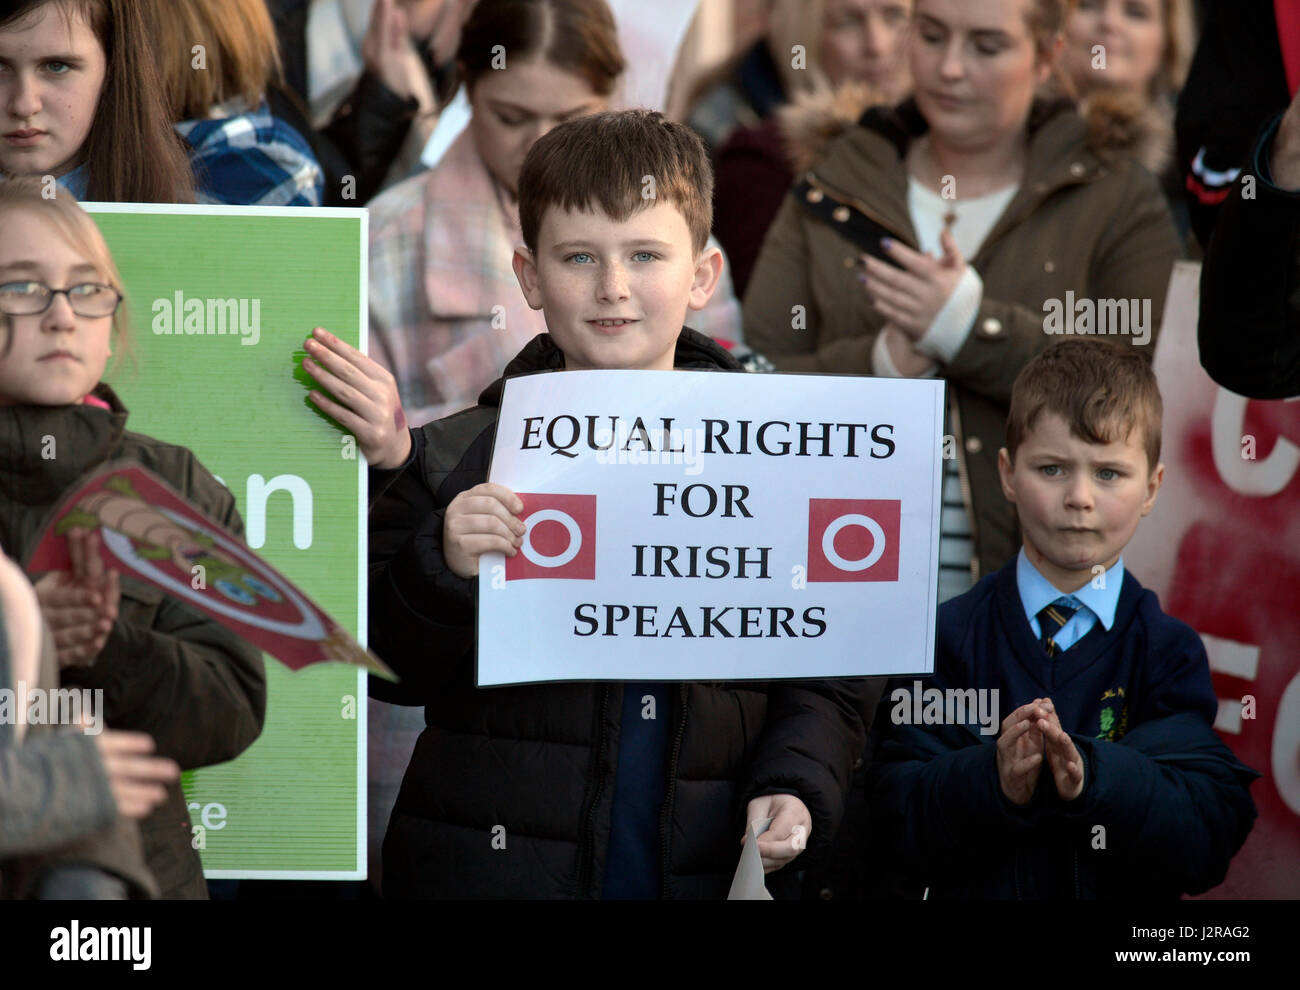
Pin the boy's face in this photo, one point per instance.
(615, 294)
(1079, 503)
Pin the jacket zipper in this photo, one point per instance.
(586, 847)
(1077, 896)
(666, 815)
(964, 481)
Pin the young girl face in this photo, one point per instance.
(1128, 34)
(975, 65)
(55, 358)
(515, 107)
(52, 69)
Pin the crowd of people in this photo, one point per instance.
(891, 188)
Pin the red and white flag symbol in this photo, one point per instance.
(560, 540)
(853, 539)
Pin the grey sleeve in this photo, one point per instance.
(53, 791)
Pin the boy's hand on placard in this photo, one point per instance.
(80, 605)
(789, 832)
(137, 779)
(368, 403)
(1020, 752)
(483, 519)
(1062, 757)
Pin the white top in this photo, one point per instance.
(975, 219)
(948, 332)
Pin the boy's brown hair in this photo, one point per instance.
(622, 161)
(1102, 389)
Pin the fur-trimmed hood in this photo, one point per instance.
(1118, 124)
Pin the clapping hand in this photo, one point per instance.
(911, 297)
(80, 605)
(1062, 757)
(1020, 751)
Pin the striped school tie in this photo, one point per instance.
(1052, 619)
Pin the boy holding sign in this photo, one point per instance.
(583, 789)
(1107, 779)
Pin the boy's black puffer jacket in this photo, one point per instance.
(539, 760)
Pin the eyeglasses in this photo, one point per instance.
(89, 299)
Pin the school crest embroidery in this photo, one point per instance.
(1110, 725)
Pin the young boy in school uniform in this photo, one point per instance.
(568, 790)
(1107, 779)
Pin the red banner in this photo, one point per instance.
(1222, 550)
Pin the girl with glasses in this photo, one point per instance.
(184, 679)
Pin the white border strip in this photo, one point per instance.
(204, 210)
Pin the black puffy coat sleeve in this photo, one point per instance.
(812, 735)
(421, 615)
(1236, 81)
(1249, 327)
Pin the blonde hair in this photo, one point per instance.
(1180, 45)
(238, 46)
(79, 231)
(801, 22)
(1179, 23)
(798, 22)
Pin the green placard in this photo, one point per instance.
(221, 300)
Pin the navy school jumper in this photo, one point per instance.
(1165, 803)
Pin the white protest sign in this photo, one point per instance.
(690, 525)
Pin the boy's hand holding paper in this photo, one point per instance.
(788, 834)
(482, 520)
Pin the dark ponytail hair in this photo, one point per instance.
(132, 154)
(576, 36)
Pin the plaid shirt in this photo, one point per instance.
(252, 159)
(446, 312)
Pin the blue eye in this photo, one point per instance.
(63, 70)
(1111, 472)
(1050, 470)
(643, 256)
(580, 255)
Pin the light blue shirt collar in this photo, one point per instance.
(1036, 592)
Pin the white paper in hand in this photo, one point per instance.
(747, 885)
